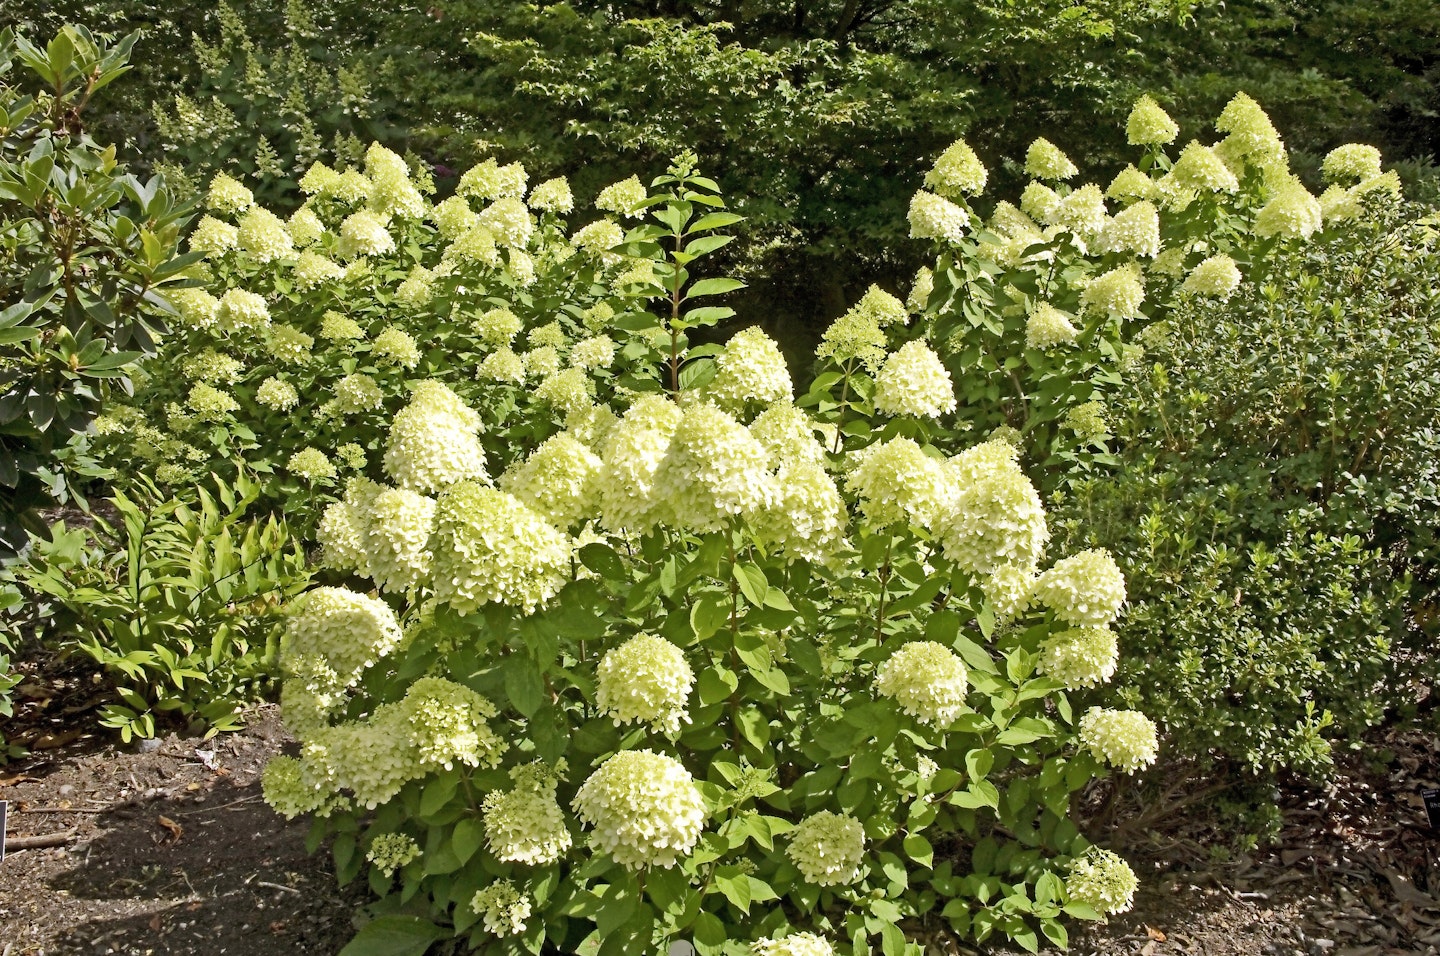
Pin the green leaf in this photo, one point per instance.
(468, 836)
(752, 583)
(918, 849)
(715, 220)
(710, 613)
(708, 935)
(524, 685)
(713, 287)
(393, 936)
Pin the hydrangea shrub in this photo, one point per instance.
(1036, 307)
(694, 663)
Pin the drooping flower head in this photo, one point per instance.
(1351, 163)
(1048, 327)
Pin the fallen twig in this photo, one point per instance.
(279, 886)
(63, 810)
(186, 813)
(39, 842)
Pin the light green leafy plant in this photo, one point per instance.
(178, 603)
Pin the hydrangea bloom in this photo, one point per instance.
(311, 464)
(497, 327)
(795, 944)
(935, 217)
(1082, 212)
(210, 403)
(335, 327)
(1039, 202)
(787, 433)
(542, 361)
(1215, 278)
(560, 480)
(623, 197)
(828, 848)
(1086, 420)
(1044, 160)
(288, 345)
(645, 680)
(344, 527)
(502, 366)
(348, 631)
(750, 371)
(357, 392)
(598, 238)
(395, 347)
(391, 851)
(597, 351)
(1082, 657)
(913, 381)
(1198, 168)
(1009, 590)
(1125, 739)
(1251, 132)
(305, 227)
(920, 290)
(397, 552)
(567, 390)
(1131, 184)
(214, 238)
(277, 394)
(1048, 327)
(957, 171)
(503, 908)
(1083, 589)
(263, 236)
(1291, 212)
(1120, 291)
(1134, 229)
(212, 366)
(391, 191)
(489, 180)
(633, 451)
(313, 270)
(509, 222)
(520, 266)
(453, 217)
(476, 245)
(808, 519)
(713, 472)
(363, 233)
(198, 308)
(855, 336)
(1149, 125)
(645, 808)
(228, 197)
(882, 308)
(1351, 163)
(927, 680)
(431, 447)
(1103, 880)
(417, 288)
(995, 520)
(526, 825)
(489, 546)
(897, 482)
(553, 195)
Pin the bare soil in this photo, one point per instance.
(168, 850)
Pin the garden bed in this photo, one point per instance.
(174, 852)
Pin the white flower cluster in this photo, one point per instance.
(526, 824)
(645, 808)
(645, 680)
(996, 518)
(1125, 739)
(795, 944)
(1103, 880)
(914, 382)
(1046, 327)
(897, 482)
(348, 631)
(489, 546)
(433, 442)
(560, 480)
(749, 372)
(828, 848)
(503, 908)
(1085, 589)
(1082, 657)
(935, 217)
(927, 680)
